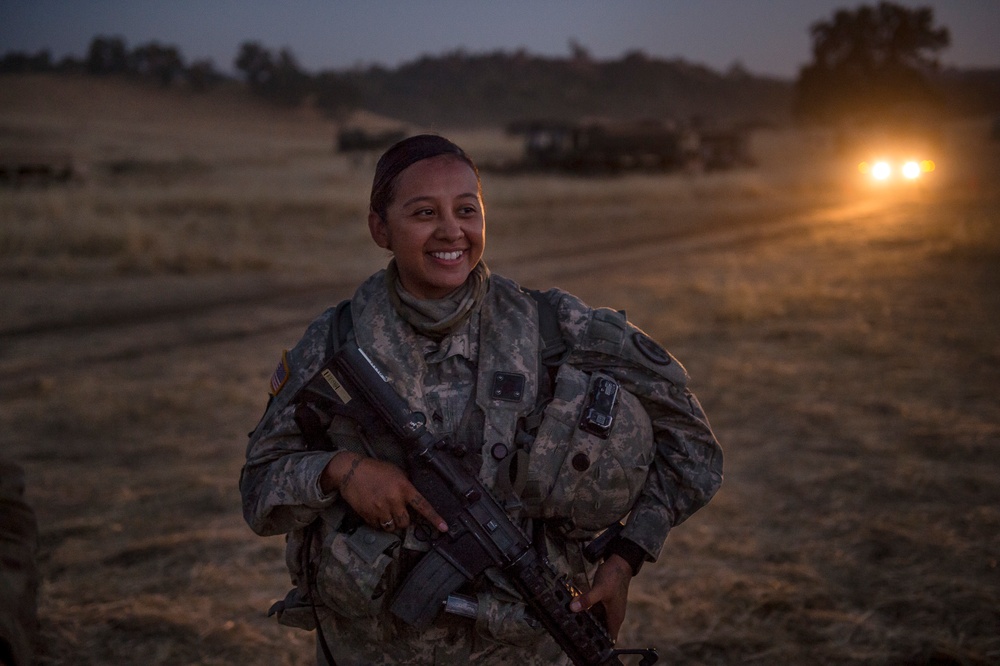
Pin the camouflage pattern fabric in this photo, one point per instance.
(455, 383)
(579, 481)
(18, 571)
(450, 641)
(687, 469)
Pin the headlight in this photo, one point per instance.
(911, 170)
(881, 170)
(888, 170)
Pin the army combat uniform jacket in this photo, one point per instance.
(482, 384)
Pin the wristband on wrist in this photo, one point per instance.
(629, 551)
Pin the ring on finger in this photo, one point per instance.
(388, 524)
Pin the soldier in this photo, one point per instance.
(18, 572)
(463, 347)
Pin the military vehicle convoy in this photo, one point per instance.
(595, 146)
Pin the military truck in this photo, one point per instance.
(600, 146)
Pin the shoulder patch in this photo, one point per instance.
(281, 374)
(607, 325)
(650, 349)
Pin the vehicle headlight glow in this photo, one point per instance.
(881, 170)
(885, 170)
(911, 170)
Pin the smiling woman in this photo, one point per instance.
(434, 227)
(604, 429)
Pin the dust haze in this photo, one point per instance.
(843, 341)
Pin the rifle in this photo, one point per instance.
(480, 534)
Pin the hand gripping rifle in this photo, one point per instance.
(480, 533)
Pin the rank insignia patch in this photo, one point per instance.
(508, 386)
(280, 376)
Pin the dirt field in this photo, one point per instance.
(844, 342)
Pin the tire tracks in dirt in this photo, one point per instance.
(650, 249)
(127, 331)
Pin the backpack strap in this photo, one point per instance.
(552, 353)
(554, 349)
(312, 427)
(343, 325)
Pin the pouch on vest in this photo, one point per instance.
(506, 620)
(297, 611)
(584, 473)
(352, 580)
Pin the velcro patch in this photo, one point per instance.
(607, 325)
(280, 376)
(508, 386)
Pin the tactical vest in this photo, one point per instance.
(535, 455)
(538, 454)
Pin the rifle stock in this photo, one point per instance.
(480, 534)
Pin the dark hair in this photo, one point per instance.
(404, 154)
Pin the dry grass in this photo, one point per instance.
(843, 342)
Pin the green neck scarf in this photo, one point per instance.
(436, 318)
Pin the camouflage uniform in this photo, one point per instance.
(18, 570)
(669, 474)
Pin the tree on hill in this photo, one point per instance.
(20, 62)
(107, 55)
(162, 63)
(279, 78)
(256, 63)
(490, 89)
(288, 84)
(868, 63)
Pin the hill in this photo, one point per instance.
(495, 89)
(458, 89)
(463, 90)
(98, 118)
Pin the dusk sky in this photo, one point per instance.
(768, 37)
